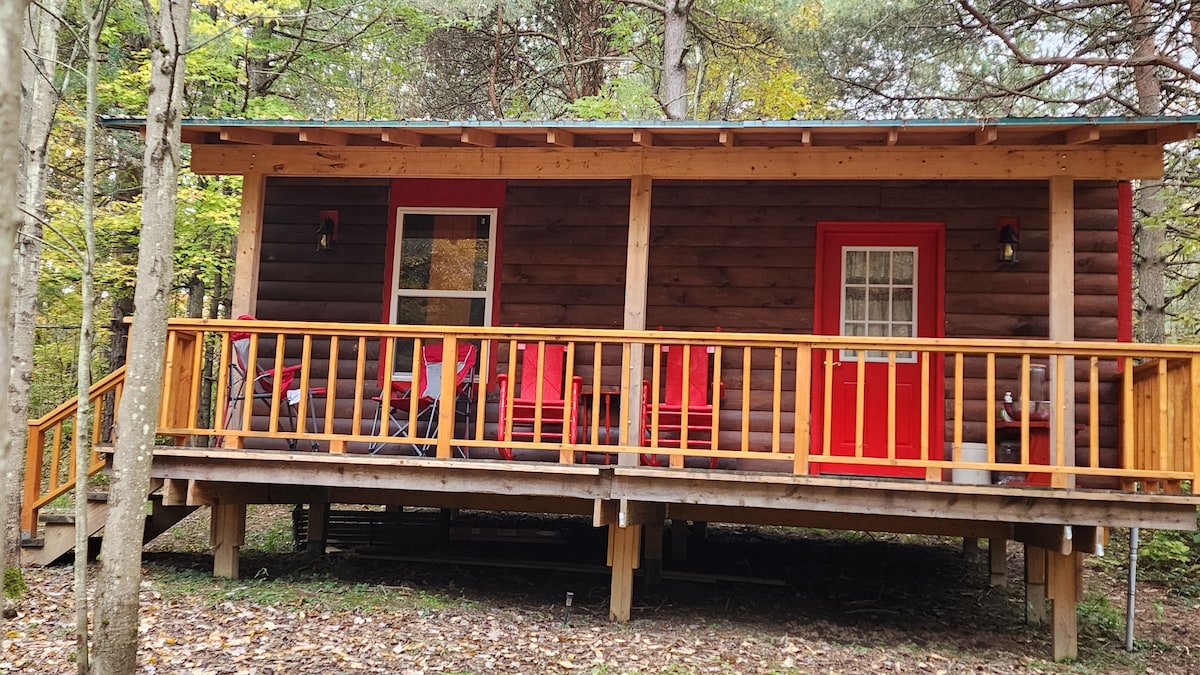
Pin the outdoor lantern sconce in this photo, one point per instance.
(1010, 239)
(327, 232)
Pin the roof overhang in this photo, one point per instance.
(1010, 148)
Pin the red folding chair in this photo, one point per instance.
(262, 385)
(538, 415)
(431, 372)
(667, 428)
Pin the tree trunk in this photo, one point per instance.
(1150, 269)
(37, 115)
(137, 416)
(674, 79)
(12, 17)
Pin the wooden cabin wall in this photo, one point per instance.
(738, 256)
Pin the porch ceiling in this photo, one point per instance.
(1010, 148)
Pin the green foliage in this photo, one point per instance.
(14, 583)
(1099, 618)
(1173, 557)
(620, 98)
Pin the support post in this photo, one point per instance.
(249, 244)
(1065, 583)
(997, 562)
(318, 526)
(1035, 585)
(1062, 323)
(623, 543)
(637, 274)
(227, 535)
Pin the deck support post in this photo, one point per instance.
(970, 548)
(227, 534)
(1064, 584)
(997, 562)
(1035, 585)
(318, 524)
(623, 556)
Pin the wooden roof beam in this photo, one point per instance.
(479, 138)
(1173, 134)
(247, 136)
(560, 138)
(893, 135)
(1081, 135)
(806, 138)
(411, 139)
(986, 136)
(324, 137)
(643, 138)
(727, 138)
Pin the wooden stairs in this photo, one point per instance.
(58, 530)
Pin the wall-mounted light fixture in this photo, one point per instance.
(1009, 234)
(327, 232)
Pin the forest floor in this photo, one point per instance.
(750, 600)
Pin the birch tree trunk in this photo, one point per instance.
(120, 573)
(12, 14)
(674, 82)
(38, 108)
(83, 371)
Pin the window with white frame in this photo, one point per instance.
(879, 296)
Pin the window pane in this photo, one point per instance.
(444, 252)
(881, 267)
(878, 307)
(420, 311)
(902, 267)
(902, 304)
(856, 267)
(855, 307)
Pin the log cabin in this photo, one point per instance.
(919, 326)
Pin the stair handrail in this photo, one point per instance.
(39, 493)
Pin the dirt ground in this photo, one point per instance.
(747, 600)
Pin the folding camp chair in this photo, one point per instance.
(400, 410)
(263, 385)
(664, 422)
(559, 395)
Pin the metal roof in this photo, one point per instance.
(1041, 131)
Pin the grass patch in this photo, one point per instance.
(14, 583)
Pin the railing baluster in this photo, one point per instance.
(860, 398)
(539, 391)
(891, 404)
(336, 446)
(221, 395)
(1058, 459)
(1160, 455)
(827, 364)
(685, 400)
(416, 390)
(932, 473)
(776, 399)
(956, 447)
(481, 388)
(715, 435)
(628, 413)
(567, 454)
(803, 409)
(597, 395)
(1025, 408)
(302, 405)
(747, 354)
(1128, 424)
(447, 403)
(512, 389)
(277, 392)
(990, 379)
(1094, 412)
(360, 367)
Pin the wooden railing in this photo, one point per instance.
(1124, 420)
(50, 448)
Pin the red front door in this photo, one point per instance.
(878, 280)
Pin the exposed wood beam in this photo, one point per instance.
(643, 138)
(560, 137)
(1174, 133)
(727, 138)
(986, 136)
(840, 521)
(479, 137)
(1080, 135)
(402, 137)
(248, 136)
(1088, 162)
(893, 135)
(806, 138)
(1054, 538)
(637, 280)
(324, 137)
(189, 136)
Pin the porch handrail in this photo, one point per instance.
(45, 481)
(770, 416)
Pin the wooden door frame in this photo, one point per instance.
(937, 371)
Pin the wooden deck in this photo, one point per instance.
(1131, 464)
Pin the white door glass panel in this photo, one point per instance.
(442, 272)
(878, 298)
